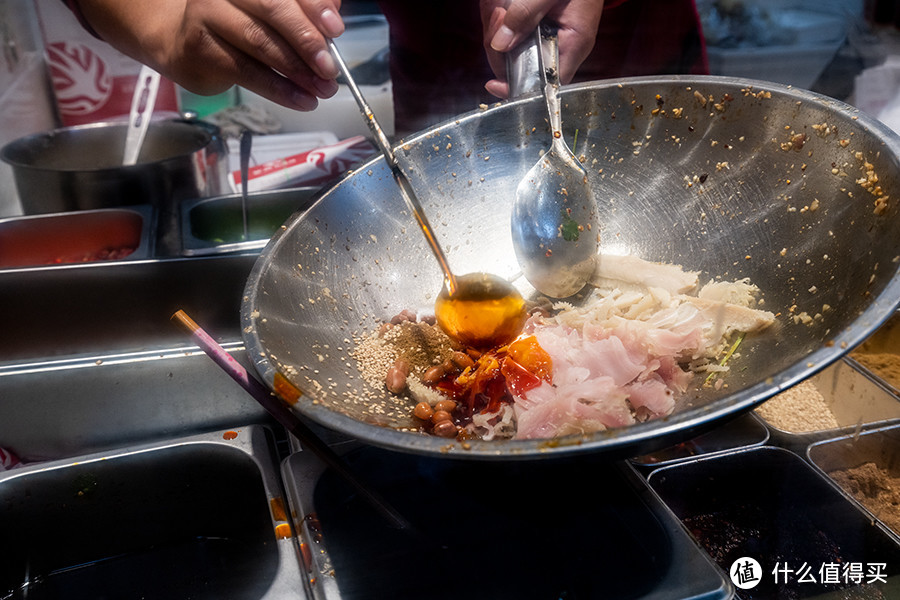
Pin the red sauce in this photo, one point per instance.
(285, 389)
(104, 254)
(496, 375)
(229, 435)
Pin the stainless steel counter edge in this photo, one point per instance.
(66, 407)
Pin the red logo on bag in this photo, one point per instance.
(80, 78)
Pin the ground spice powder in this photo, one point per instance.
(883, 364)
(421, 344)
(875, 488)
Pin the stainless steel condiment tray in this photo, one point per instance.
(585, 528)
(881, 448)
(99, 235)
(195, 517)
(215, 225)
(769, 505)
(857, 400)
(746, 431)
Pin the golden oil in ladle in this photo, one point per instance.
(485, 311)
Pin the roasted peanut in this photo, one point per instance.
(462, 360)
(404, 315)
(440, 415)
(447, 406)
(395, 380)
(450, 367)
(433, 374)
(445, 429)
(423, 411)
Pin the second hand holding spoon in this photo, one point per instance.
(478, 309)
(554, 217)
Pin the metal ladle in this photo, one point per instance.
(554, 217)
(476, 309)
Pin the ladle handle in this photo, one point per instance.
(406, 190)
(246, 146)
(381, 139)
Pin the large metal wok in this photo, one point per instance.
(730, 177)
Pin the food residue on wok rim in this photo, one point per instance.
(622, 357)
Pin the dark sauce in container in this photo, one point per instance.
(769, 505)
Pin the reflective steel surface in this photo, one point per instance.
(729, 177)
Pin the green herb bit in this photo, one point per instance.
(725, 358)
(569, 228)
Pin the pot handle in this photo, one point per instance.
(525, 64)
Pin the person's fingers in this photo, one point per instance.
(219, 65)
(271, 47)
(267, 47)
(497, 88)
(507, 26)
(272, 86)
(521, 18)
(574, 48)
(492, 17)
(303, 24)
(578, 23)
(326, 15)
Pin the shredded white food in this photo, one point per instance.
(494, 426)
(421, 392)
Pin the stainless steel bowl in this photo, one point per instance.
(729, 177)
(77, 168)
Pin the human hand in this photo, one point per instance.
(275, 48)
(506, 26)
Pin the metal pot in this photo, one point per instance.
(77, 168)
(729, 177)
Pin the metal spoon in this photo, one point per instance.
(554, 218)
(477, 309)
(142, 103)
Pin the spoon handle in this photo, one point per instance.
(245, 149)
(533, 66)
(523, 67)
(549, 68)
